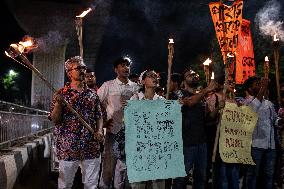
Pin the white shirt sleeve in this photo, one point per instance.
(255, 104)
(134, 97)
(103, 92)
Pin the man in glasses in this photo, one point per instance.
(76, 145)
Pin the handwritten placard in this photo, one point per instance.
(153, 140)
(237, 125)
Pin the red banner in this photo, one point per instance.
(227, 22)
(245, 64)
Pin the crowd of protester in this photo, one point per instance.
(101, 156)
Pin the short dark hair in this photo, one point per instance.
(190, 70)
(121, 60)
(89, 70)
(176, 77)
(248, 83)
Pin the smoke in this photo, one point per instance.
(268, 20)
(51, 40)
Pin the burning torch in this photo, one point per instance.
(79, 28)
(266, 67)
(212, 76)
(229, 61)
(206, 70)
(18, 51)
(276, 60)
(170, 63)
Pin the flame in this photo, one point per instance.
(275, 37)
(230, 55)
(171, 40)
(18, 47)
(84, 13)
(207, 62)
(266, 59)
(212, 76)
(26, 44)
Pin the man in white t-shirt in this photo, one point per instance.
(112, 93)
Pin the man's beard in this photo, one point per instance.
(91, 85)
(193, 84)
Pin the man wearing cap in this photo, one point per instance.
(75, 145)
(113, 94)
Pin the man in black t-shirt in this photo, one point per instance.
(193, 130)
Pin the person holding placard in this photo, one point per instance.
(149, 80)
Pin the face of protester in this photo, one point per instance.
(231, 86)
(77, 72)
(255, 87)
(172, 85)
(90, 79)
(191, 79)
(122, 70)
(151, 80)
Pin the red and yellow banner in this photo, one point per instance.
(245, 64)
(227, 22)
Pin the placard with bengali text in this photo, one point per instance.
(153, 140)
(237, 125)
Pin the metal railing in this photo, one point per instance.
(18, 122)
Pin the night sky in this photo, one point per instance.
(141, 29)
(12, 33)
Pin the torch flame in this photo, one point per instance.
(212, 76)
(207, 62)
(230, 55)
(24, 46)
(84, 13)
(266, 59)
(171, 40)
(275, 37)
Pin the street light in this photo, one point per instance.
(12, 73)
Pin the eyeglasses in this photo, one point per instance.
(78, 68)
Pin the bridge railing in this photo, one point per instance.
(19, 122)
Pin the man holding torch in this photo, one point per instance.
(263, 140)
(193, 130)
(75, 145)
